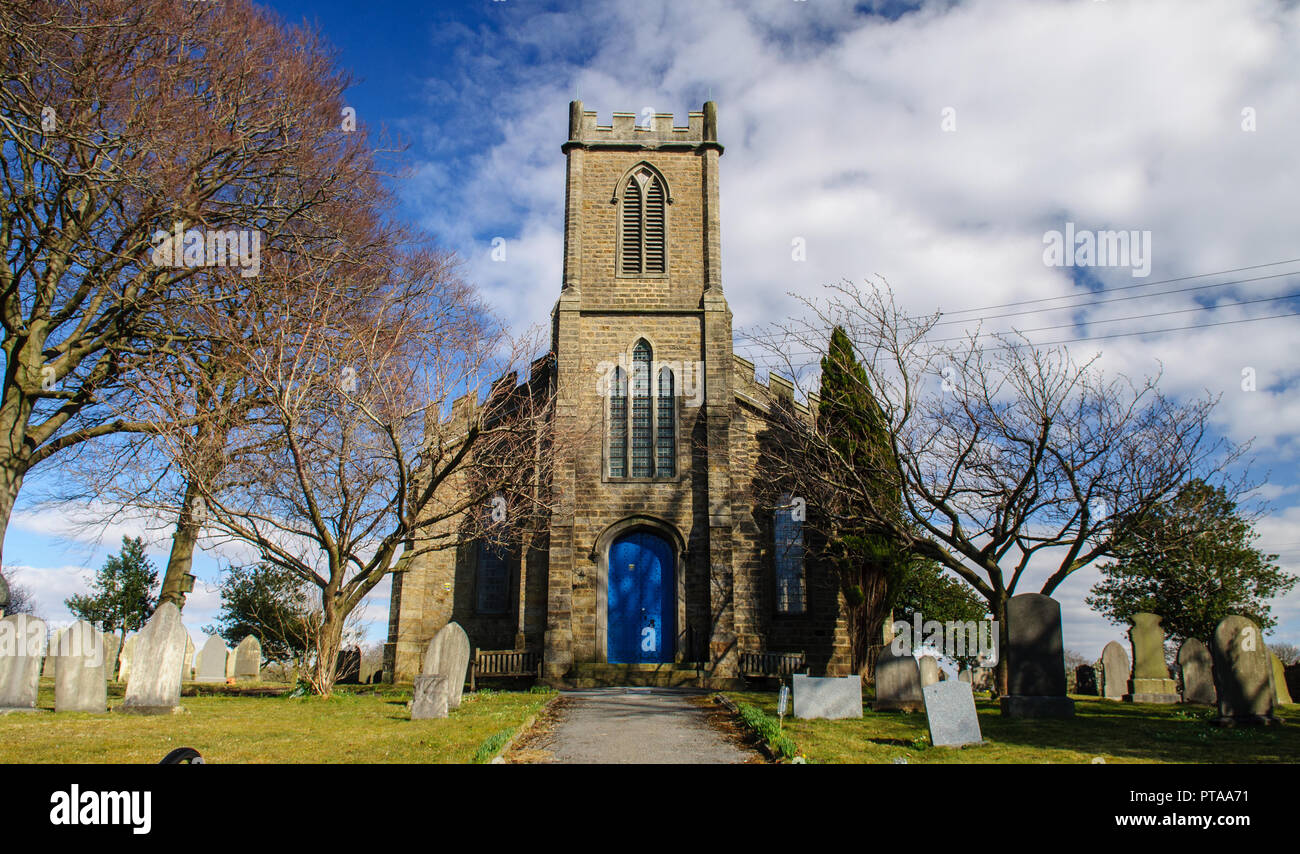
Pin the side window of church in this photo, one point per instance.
(649, 422)
(790, 598)
(492, 581)
(643, 231)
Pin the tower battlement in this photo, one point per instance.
(585, 131)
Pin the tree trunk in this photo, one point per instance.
(1001, 675)
(11, 480)
(328, 641)
(178, 580)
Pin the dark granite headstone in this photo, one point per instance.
(349, 666)
(1035, 659)
(1085, 680)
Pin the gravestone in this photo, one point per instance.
(1085, 680)
(929, 666)
(1150, 682)
(981, 678)
(1114, 671)
(950, 711)
(348, 669)
(828, 697)
(112, 646)
(1241, 674)
(230, 664)
(898, 683)
(81, 677)
(1197, 668)
(210, 666)
(187, 665)
(1281, 695)
(155, 684)
(124, 658)
(1292, 672)
(448, 655)
(248, 659)
(430, 699)
(964, 676)
(1035, 659)
(22, 645)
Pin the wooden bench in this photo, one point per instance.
(771, 663)
(504, 663)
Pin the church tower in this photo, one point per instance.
(642, 339)
(661, 564)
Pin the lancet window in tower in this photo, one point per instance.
(644, 228)
(642, 428)
(642, 419)
(618, 424)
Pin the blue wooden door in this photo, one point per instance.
(641, 599)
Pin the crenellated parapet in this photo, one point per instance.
(777, 387)
(628, 131)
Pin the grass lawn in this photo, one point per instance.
(1117, 732)
(369, 724)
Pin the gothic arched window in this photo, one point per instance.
(493, 581)
(788, 558)
(618, 425)
(642, 441)
(665, 438)
(642, 427)
(643, 230)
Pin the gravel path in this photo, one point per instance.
(634, 725)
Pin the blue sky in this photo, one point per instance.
(931, 143)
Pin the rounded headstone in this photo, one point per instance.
(81, 678)
(1242, 672)
(210, 666)
(929, 666)
(1197, 669)
(448, 655)
(22, 648)
(248, 659)
(1114, 671)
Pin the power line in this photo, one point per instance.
(1123, 299)
(1136, 316)
(1126, 288)
(772, 337)
(1102, 337)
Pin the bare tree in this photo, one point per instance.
(1005, 455)
(341, 457)
(129, 127)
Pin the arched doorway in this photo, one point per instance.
(641, 599)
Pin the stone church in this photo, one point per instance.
(658, 557)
